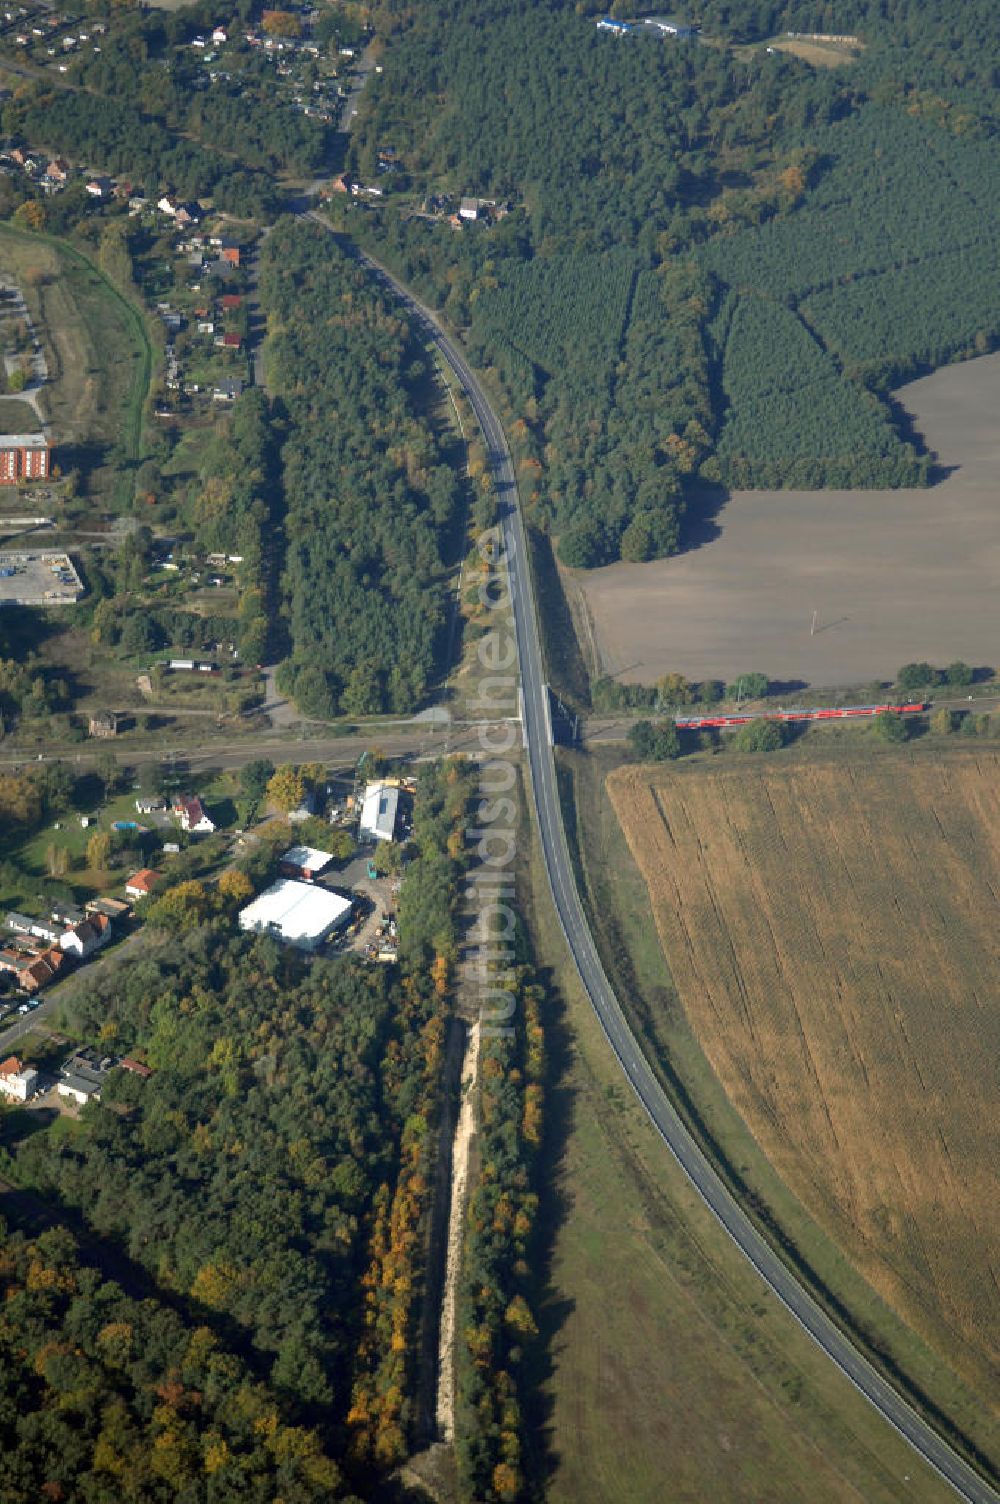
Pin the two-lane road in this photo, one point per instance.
(782, 1282)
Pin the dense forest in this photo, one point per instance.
(719, 277)
(106, 1396)
(273, 1174)
(372, 498)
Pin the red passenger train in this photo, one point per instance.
(820, 713)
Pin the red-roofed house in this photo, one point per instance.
(231, 341)
(42, 969)
(83, 939)
(17, 1082)
(141, 884)
(136, 1067)
(230, 301)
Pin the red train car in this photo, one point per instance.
(818, 713)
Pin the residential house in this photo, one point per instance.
(142, 883)
(231, 341)
(229, 252)
(220, 36)
(19, 923)
(100, 188)
(66, 913)
(150, 804)
(168, 205)
(57, 170)
(469, 209)
(17, 1081)
(135, 1067)
(83, 939)
(46, 930)
(83, 1075)
(230, 302)
(190, 811)
(32, 968)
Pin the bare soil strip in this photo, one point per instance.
(464, 1131)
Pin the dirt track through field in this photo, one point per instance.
(894, 576)
(834, 935)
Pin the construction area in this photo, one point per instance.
(46, 577)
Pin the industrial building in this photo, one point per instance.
(663, 26)
(304, 862)
(25, 456)
(297, 913)
(378, 813)
(670, 26)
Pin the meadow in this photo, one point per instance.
(850, 1012)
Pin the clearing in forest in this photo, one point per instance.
(832, 929)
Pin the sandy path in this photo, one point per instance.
(464, 1130)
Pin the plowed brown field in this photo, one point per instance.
(833, 931)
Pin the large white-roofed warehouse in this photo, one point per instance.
(298, 913)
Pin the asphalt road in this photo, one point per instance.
(882, 1395)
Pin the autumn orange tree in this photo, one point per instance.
(380, 1417)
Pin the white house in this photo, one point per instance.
(83, 1075)
(191, 813)
(378, 813)
(83, 939)
(18, 1082)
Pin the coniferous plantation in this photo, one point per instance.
(718, 259)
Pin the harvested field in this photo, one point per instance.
(833, 931)
(893, 575)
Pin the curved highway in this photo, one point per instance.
(782, 1282)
